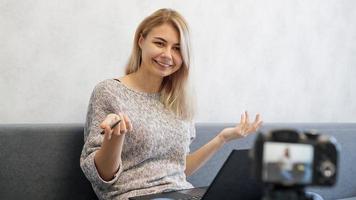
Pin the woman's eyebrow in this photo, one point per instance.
(159, 38)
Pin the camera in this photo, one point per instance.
(288, 160)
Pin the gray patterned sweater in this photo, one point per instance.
(153, 155)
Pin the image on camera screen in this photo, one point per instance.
(287, 163)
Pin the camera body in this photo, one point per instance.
(288, 158)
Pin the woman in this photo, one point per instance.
(148, 151)
(286, 166)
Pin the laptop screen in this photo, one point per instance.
(234, 180)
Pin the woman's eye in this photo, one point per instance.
(176, 48)
(160, 44)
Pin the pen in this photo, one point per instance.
(112, 126)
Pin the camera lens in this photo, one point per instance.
(327, 169)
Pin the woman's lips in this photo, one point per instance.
(163, 64)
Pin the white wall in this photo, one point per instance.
(292, 61)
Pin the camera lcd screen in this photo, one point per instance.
(287, 163)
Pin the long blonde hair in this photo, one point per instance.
(174, 88)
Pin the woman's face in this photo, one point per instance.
(161, 51)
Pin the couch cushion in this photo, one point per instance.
(42, 162)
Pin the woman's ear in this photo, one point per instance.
(140, 41)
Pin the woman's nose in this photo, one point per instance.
(167, 53)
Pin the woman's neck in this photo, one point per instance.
(143, 82)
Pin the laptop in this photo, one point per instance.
(233, 181)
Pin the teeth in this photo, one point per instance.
(163, 64)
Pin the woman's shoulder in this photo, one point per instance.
(107, 84)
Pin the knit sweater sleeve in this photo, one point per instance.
(192, 134)
(100, 105)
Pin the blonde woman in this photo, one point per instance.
(148, 151)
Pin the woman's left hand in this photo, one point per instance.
(243, 129)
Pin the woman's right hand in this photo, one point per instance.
(108, 157)
(125, 126)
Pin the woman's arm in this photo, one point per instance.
(101, 155)
(197, 159)
(108, 158)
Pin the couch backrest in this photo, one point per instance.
(41, 161)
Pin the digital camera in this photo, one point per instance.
(290, 158)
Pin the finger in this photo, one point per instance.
(257, 118)
(107, 124)
(113, 118)
(243, 119)
(104, 123)
(240, 125)
(128, 123)
(107, 121)
(107, 127)
(122, 124)
(116, 129)
(257, 125)
(108, 134)
(247, 117)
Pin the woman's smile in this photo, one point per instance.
(163, 64)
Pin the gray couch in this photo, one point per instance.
(41, 161)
